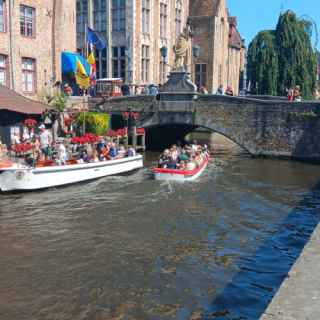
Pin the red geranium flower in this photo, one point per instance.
(29, 122)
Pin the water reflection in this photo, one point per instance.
(129, 247)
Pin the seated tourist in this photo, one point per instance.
(191, 165)
(100, 145)
(182, 165)
(131, 152)
(113, 152)
(174, 152)
(183, 156)
(95, 157)
(164, 159)
(84, 156)
(121, 152)
(172, 163)
(62, 153)
(198, 158)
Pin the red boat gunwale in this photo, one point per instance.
(182, 172)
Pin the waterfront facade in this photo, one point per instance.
(135, 32)
(33, 33)
(222, 52)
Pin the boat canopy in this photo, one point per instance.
(69, 62)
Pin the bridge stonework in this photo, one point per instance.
(274, 128)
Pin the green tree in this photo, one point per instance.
(285, 57)
(297, 58)
(263, 63)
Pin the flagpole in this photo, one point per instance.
(86, 40)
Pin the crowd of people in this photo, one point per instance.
(43, 149)
(188, 157)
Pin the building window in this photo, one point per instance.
(28, 75)
(27, 21)
(100, 15)
(163, 20)
(201, 75)
(3, 70)
(82, 21)
(146, 16)
(101, 63)
(178, 18)
(2, 16)
(119, 62)
(118, 15)
(145, 63)
(162, 73)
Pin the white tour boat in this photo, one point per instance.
(22, 177)
(178, 174)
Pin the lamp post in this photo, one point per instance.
(164, 54)
(195, 51)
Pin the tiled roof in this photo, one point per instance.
(13, 101)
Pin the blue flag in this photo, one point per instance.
(95, 39)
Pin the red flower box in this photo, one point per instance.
(21, 148)
(29, 122)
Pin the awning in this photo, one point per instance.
(69, 62)
(13, 101)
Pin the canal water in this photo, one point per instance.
(129, 247)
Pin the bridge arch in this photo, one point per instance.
(184, 125)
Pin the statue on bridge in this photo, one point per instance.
(181, 49)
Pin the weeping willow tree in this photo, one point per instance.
(285, 57)
(263, 63)
(297, 57)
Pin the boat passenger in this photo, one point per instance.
(113, 152)
(198, 158)
(174, 153)
(45, 141)
(95, 157)
(194, 146)
(191, 165)
(62, 153)
(84, 156)
(183, 156)
(121, 152)
(100, 145)
(172, 163)
(131, 152)
(182, 165)
(164, 159)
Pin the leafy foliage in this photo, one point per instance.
(54, 98)
(96, 123)
(283, 58)
(263, 63)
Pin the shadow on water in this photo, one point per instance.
(260, 276)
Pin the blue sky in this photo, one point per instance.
(256, 15)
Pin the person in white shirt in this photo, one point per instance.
(45, 141)
(62, 153)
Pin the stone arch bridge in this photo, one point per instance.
(268, 127)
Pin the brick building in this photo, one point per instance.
(33, 33)
(135, 32)
(222, 52)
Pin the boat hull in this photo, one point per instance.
(179, 175)
(53, 176)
